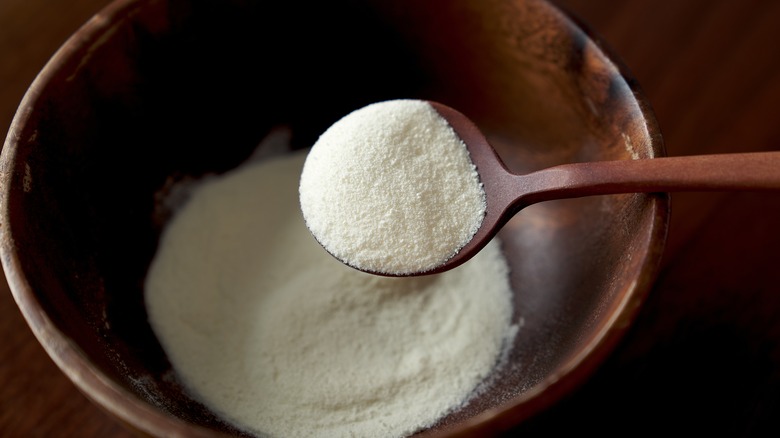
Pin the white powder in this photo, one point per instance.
(390, 188)
(280, 338)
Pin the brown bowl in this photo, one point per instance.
(148, 92)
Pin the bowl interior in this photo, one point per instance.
(153, 92)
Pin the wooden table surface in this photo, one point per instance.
(704, 355)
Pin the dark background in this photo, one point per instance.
(704, 355)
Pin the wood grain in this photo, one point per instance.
(704, 356)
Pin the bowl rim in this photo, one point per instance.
(140, 416)
(133, 413)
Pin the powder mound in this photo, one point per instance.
(280, 339)
(390, 188)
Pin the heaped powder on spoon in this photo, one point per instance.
(281, 339)
(390, 188)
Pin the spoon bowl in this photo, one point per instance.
(508, 193)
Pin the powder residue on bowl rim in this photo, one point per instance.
(390, 188)
(279, 338)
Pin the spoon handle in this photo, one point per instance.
(754, 171)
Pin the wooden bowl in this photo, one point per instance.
(152, 91)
